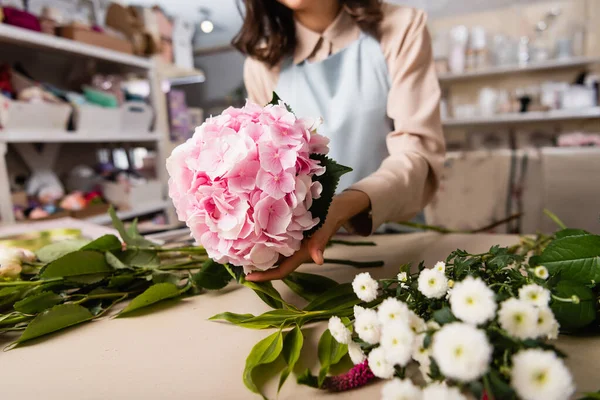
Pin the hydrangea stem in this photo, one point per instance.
(30, 283)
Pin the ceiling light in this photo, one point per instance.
(207, 26)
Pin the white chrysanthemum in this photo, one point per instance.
(440, 391)
(472, 301)
(541, 272)
(547, 325)
(541, 375)
(339, 331)
(392, 310)
(416, 323)
(519, 318)
(398, 389)
(397, 342)
(403, 277)
(462, 351)
(356, 354)
(365, 287)
(535, 294)
(432, 284)
(367, 326)
(358, 310)
(419, 353)
(379, 365)
(440, 267)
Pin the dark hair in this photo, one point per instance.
(269, 34)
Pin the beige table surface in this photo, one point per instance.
(175, 353)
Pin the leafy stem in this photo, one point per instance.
(30, 283)
(355, 264)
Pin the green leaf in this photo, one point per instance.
(292, 346)
(104, 243)
(212, 276)
(275, 102)
(88, 279)
(340, 296)
(264, 352)
(234, 318)
(500, 388)
(9, 291)
(164, 276)
(309, 286)
(329, 180)
(573, 316)
(577, 258)
(267, 293)
(114, 261)
(570, 232)
(55, 319)
(152, 295)
(83, 262)
(330, 352)
(444, 316)
(38, 302)
(308, 379)
(147, 259)
(118, 281)
(273, 319)
(56, 250)
(131, 237)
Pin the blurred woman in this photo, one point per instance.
(367, 68)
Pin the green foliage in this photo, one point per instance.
(337, 297)
(104, 243)
(309, 286)
(82, 262)
(38, 302)
(292, 347)
(152, 295)
(264, 352)
(275, 102)
(212, 276)
(330, 352)
(131, 236)
(329, 180)
(55, 319)
(576, 258)
(573, 316)
(56, 250)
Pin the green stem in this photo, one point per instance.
(29, 283)
(100, 297)
(488, 388)
(355, 264)
(185, 265)
(16, 320)
(189, 249)
(426, 227)
(349, 243)
(554, 218)
(573, 299)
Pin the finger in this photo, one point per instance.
(318, 242)
(287, 267)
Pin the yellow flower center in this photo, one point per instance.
(518, 318)
(470, 301)
(540, 377)
(431, 282)
(458, 351)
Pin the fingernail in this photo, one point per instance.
(320, 256)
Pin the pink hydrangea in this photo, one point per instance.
(244, 185)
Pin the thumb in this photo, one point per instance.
(316, 246)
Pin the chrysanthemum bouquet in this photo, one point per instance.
(474, 324)
(252, 183)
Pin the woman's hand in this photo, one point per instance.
(343, 207)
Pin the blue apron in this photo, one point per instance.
(349, 90)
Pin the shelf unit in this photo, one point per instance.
(77, 137)
(36, 40)
(148, 67)
(573, 62)
(529, 117)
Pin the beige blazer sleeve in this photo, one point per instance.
(408, 178)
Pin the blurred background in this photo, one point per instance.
(95, 95)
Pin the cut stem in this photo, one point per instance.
(554, 218)
(355, 264)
